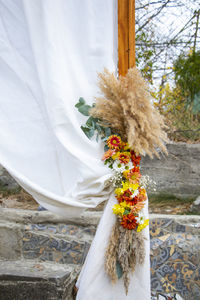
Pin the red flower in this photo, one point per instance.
(126, 196)
(114, 142)
(129, 221)
(135, 159)
(124, 158)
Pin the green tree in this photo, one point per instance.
(187, 78)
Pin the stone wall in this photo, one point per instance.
(178, 173)
(6, 181)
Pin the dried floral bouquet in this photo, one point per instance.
(126, 121)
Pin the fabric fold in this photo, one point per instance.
(50, 53)
(94, 283)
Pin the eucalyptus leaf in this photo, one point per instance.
(106, 148)
(91, 133)
(90, 122)
(84, 109)
(81, 102)
(86, 130)
(119, 270)
(107, 131)
(99, 128)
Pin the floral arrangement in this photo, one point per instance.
(130, 194)
(129, 126)
(126, 245)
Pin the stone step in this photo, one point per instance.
(61, 243)
(60, 249)
(30, 280)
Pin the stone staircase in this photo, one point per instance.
(41, 255)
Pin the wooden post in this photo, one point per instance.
(126, 35)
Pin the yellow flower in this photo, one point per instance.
(127, 185)
(127, 147)
(125, 173)
(116, 155)
(118, 209)
(119, 191)
(142, 226)
(142, 192)
(124, 204)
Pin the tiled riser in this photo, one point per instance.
(175, 260)
(175, 257)
(46, 248)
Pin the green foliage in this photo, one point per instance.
(145, 54)
(182, 115)
(169, 199)
(5, 192)
(187, 77)
(196, 103)
(83, 108)
(119, 270)
(93, 125)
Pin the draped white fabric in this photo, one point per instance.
(50, 53)
(93, 283)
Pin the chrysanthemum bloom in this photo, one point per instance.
(129, 221)
(142, 191)
(118, 209)
(124, 157)
(133, 175)
(116, 155)
(135, 159)
(137, 207)
(142, 226)
(126, 196)
(108, 154)
(142, 195)
(133, 201)
(125, 146)
(114, 142)
(127, 185)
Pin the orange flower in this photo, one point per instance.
(126, 196)
(114, 142)
(135, 159)
(108, 154)
(129, 221)
(142, 195)
(124, 158)
(137, 207)
(133, 175)
(134, 200)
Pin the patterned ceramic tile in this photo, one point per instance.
(47, 248)
(175, 260)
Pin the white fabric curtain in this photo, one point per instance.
(93, 283)
(50, 53)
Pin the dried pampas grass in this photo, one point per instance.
(127, 248)
(126, 108)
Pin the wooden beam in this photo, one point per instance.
(126, 35)
(131, 33)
